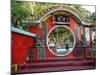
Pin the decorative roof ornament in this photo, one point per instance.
(50, 7)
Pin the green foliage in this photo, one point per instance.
(86, 15)
(62, 32)
(84, 12)
(93, 16)
(21, 10)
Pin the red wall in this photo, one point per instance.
(49, 22)
(20, 45)
(35, 29)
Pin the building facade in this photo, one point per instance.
(58, 40)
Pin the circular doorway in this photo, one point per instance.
(60, 40)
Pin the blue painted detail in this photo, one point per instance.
(13, 29)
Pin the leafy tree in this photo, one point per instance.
(19, 11)
(93, 17)
(84, 12)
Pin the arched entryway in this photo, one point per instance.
(51, 19)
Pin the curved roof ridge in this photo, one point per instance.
(59, 9)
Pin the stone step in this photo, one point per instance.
(54, 69)
(55, 64)
(60, 62)
(53, 60)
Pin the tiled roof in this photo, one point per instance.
(13, 29)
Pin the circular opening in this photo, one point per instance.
(60, 40)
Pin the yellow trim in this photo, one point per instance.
(15, 66)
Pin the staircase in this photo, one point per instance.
(55, 65)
